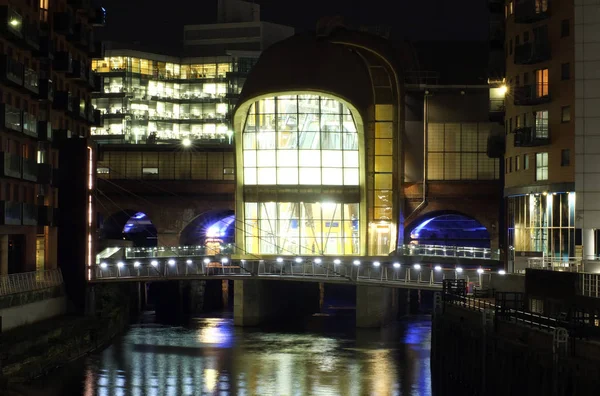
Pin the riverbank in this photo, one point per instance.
(31, 351)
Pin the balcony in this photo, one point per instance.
(11, 71)
(79, 108)
(11, 22)
(81, 36)
(10, 213)
(79, 72)
(529, 95)
(527, 137)
(46, 48)
(45, 216)
(60, 134)
(11, 165)
(30, 125)
(532, 52)
(46, 89)
(10, 118)
(63, 101)
(97, 50)
(97, 119)
(44, 174)
(98, 17)
(64, 23)
(63, 62)
(44, 130)
(30, 170)
(94, 81)
(31, 35)
(31, 81)
(30, 214)
(530, 11)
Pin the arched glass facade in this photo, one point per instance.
(294, 147)
(300, 140)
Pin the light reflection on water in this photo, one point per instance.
(212, 357)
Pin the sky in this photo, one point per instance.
(159, 22)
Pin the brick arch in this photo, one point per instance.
(486, 213)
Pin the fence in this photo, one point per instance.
(29, 281)
(566, 264)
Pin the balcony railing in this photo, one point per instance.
(63, 62)
(11, 22)
(30, 214)
(11, 118)
(12, 72)
(30, 169)
(29, 281)
(528, 95)
(30, 125)
(46, 48)
(532, 52)
(11, 165)
(10, 213)
(527, 137)
(64, 23)
(46, 89)
(32, 36)
(63, 101)
(44, 174)
(31, 81)
(45, 216)
(44, 130)
(529, 11)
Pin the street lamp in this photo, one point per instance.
(298, 260)
(186, 142)
(171, 262)
(396, 265)
(417, 266)
(206, 260)
(154, 263)
(337, 261)
(103, 265)
(376, 263)
(279, 260)
(317, 261)
(136, 264)
(438, 268)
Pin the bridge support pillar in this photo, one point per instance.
(258, 301)
(375, 306)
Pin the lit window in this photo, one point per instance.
(525, 161)
(510, 8)
(541, 166)
(541, 83)
(148, 172)
(517, 163)
(541, 124)
(541, 6)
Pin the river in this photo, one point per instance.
(209, 356)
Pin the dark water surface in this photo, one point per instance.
(212, 357)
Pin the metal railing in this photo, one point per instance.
(199, 251)
(449, 251)
(566, 264)
(385, 274)
(589, 285)
(29, 281)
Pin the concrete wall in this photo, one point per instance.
(34, 312)
(375, 306)
(507, 283)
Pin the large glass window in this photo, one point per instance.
(541, 83)
(459, 152)
(301, 228)
(300, 140)
(541, 166)
(543, 223)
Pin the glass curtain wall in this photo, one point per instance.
(543, 223)
(302, 141)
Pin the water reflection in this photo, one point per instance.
(213, 357)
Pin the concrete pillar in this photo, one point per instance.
(589, 246)
(3, 255)
(375, 306)
(249, 302)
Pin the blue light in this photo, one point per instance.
(219, 228)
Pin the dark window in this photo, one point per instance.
(517, 40)
(565, 28)
(565, 157)
(565, 114)
(525, 37)
(517, 81)
(510, 47)
(525, 78)
(565, 71)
